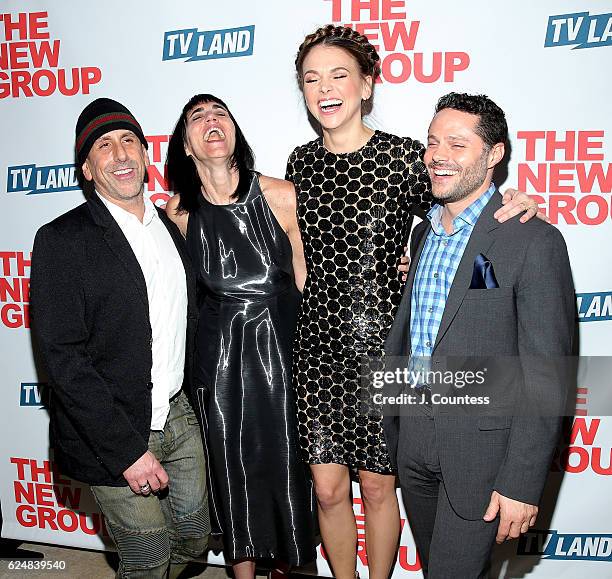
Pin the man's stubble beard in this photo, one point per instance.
(472, 178)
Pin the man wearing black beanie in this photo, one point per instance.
(113, 310)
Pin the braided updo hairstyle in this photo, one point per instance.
(356, 44)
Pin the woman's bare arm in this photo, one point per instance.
(180, 218)
(280, 196)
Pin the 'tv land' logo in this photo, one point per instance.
(32, 394)
(30, 179)
(566, 546)
(192, 44)
(580, 28)
(594, 307)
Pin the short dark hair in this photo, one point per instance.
(182, 174)
(492, 127)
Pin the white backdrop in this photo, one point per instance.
(547, 64)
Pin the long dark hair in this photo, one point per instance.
(183, 176)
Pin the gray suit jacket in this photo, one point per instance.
(531, 314)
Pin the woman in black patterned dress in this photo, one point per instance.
(356, 190)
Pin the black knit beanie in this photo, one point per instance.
(99, 117)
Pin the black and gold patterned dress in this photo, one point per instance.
(353, 212)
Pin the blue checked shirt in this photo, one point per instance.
(436, 270)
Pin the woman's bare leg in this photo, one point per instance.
(382, 521)
(336, 517)
(244, 569)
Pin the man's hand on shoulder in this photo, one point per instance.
(515, 517)
(146, 475)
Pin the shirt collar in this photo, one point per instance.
(123, 217)
(469, 216)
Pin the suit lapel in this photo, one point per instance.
(414, 262)
(398, 340)
(480, 241)
(118, 244)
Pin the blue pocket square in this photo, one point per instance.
(483, 276)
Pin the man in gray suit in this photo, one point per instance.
(484, 289)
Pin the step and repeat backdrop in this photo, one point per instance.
(547, 64)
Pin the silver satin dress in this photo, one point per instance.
(261, 498)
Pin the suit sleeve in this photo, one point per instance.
(546, 314)
(58, 306)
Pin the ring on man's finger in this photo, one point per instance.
(145, 488)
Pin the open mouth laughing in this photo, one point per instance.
(214, 134)
(124, 173)
(441, 173)
(330, 106)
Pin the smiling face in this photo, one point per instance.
(209, 132)
(117, 164)
(334, 87)
(457, 159)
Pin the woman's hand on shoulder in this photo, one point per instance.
(177, 216)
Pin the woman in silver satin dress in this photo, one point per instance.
(243, 238)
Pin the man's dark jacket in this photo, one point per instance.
(525, 328)
(90, 316)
